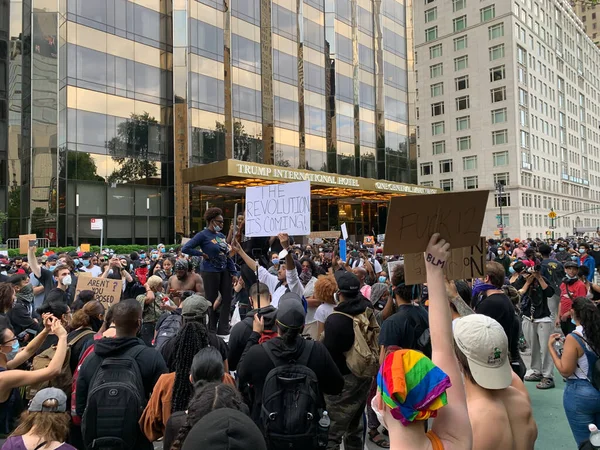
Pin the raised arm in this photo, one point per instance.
(452, 423)
(33, 346)
(237, 248)
(33, 262)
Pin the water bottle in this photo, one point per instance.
(594, 435)
(558, 345)
(323, 430)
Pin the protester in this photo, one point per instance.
(503, 258)
(62, 312)
(308, 280)
(21, 315)
(587, 260)
(581, 398)
(85, 323)
(570, 288)
(7, 299)
(218, 270)
(325, 291)
(90, 264)
(183, 280)
(154, 302)
(451, 429)
(383, 301)
(81, 299)
(45, 425)
(145, 367)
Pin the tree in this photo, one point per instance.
(81, 166)
(245, 148)
(135, 148)
(3, 219)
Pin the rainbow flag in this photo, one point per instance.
(412, 386)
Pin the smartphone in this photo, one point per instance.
(32, 243)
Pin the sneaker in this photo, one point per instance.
(534, 377)
(546, 383)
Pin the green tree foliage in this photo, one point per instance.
(81, 166)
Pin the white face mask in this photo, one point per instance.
(67, 280)
(380, 415)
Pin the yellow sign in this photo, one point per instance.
(552, 215)
(85, 247)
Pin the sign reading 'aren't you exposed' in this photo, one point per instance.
(278, 208)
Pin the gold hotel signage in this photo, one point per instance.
(232, 168)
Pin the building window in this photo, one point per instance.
(499, 137)
(499, 115)
(470, 163)
(496, 52)
(426, 183)
(524, 136)
(498, 94)
(435, 51)
(459, 24)
(463, 143)
(439, 147)
(521, 55)
(437, 70)
(522, 97)
(457, 5)
(497, 73)
(500, 159)
(462, 103)
(501, 178)
(460, 43)
(437, 89)
(462, 82)
(461, 63)
(447, 185)
(463, 123)
(471, 182)
(445, 166)
(496, 31)
(431, 34)
(487, 13)
(437, 109)
(438, 128)
(502, 200)
(426, 169)
(431, 15)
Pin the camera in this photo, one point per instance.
(536, 268)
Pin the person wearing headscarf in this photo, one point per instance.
(383, 302)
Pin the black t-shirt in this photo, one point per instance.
(499, 307)
(405, 327)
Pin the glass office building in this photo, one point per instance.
(137, 110)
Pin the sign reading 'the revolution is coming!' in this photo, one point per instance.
(278, 208)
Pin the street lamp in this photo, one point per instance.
(500, 191)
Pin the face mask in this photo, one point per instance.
(275, 262)
(573, 322)
(218, 228)
(14, 350)
(154, 256)
(76, 261)
(511, 269)
(596, 249)
(162, 250)
(378, 413)
(500, 252)
(130, 266)
(561, 249)
(67, 280)
(574, 258)
(143, 255)
(582, 250)
(86, 262)
(51, 268)
(320, 249)
(382, 279)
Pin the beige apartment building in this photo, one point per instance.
(590, 16)
(508, 100)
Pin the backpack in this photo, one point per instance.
(64, 379)
(115, 403)
(88, 351)
(363, 358)
(593, 375)
(291, 402)
(167, 329)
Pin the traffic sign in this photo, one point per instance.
(552, 215)
(97, 224)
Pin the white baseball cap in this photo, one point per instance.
(485, 345)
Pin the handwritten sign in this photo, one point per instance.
(457, 216)
(278, 208)
(369, 240)
(324, 235)
(107, 291)
(464, 263)
(24, 242)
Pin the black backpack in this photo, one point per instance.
(167, 329)
(115, 403)
(291, 403)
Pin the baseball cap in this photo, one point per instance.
(519, 266)
(44, 258)
(570, 264)
(37, 402)
(290, 312)
(484, 343)
(53, 258)
(347, 282)
(87, 255)
(195, 306)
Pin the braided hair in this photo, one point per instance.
(209, 398)
(192, 337)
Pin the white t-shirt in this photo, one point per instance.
(95, 271)
(376, 266)
(323, 312)
(309, 290)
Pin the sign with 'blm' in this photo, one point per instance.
(464, 263)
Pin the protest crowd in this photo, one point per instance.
(231, 342)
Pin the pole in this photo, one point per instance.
(148, 222)
(499, 187)
(101, 236)
(76, 220)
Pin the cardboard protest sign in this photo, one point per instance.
(413, 219)
(85, 248)
(107, 291)
(24, 242)
(464, 263)
(278, 208)
(369, 240)
(324, 235)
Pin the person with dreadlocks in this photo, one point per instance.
(173, 390)
(184, 280)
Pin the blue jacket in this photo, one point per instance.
(591, 264)
(213, 251)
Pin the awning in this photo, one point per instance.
(240, 174)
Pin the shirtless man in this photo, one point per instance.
(183, 280)
(498, 403)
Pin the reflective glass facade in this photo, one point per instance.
(109, 101)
